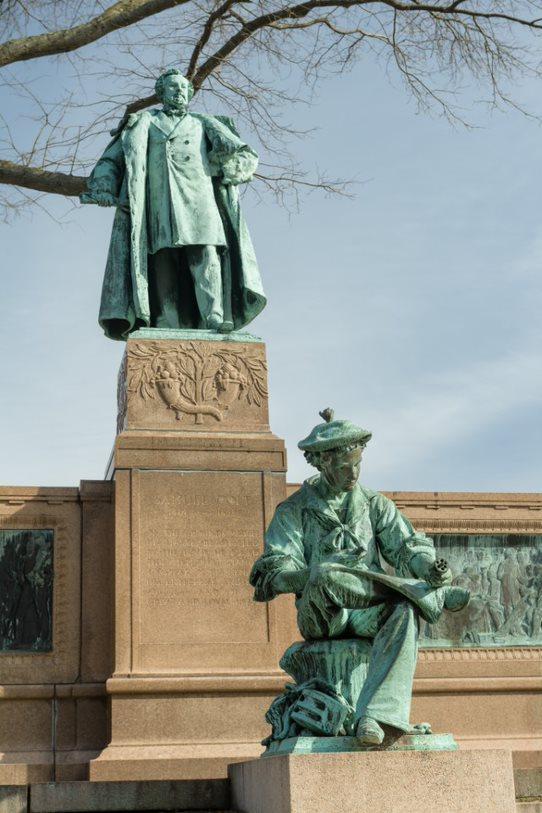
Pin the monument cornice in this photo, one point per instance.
(275, 681)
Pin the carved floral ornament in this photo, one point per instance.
(197, 379)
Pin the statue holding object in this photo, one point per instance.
(327, 544)
(180, 255)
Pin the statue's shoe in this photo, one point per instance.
(455, 598)
(226, 327)
(214, 322)
(369, 732)
(420, 728)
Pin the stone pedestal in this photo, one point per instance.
(402, 782)
(197, 475)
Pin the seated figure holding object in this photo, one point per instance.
(326, 544)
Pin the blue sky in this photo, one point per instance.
(413, 309)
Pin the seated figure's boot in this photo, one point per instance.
(455, 598)
(369, 732)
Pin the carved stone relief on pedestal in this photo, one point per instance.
(191, 384)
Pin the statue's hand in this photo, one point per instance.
(239, 168)
(105, 199)
(101, 198)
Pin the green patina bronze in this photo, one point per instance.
(155, 333)
(26, 590)
(503, 573)
(333, 745)
(329, 544)
(180, 254)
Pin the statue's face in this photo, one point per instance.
(341, 469)
(175, 92)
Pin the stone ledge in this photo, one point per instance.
(80, 797)
(23, 767)
(188, 684)
(150, 763)
(162, 333)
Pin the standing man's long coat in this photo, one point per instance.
(122, 172)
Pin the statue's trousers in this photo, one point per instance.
(339, 601)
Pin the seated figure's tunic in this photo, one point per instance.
(357, 530)
(181, 206)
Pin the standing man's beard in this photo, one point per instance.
(176, 107)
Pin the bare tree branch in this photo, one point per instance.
(258, 60)
(119, 15)
(301, 10)
(57, 183)
(206, 34)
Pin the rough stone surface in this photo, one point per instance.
(197, 475)
(23, 767)
(190, 386)
(74, 797)
(528, 782)
(158, 763)
(13, 799)
(414, 782)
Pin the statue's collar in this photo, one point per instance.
(168, 125)
(345, 532)
(327, 493)
(319, 498)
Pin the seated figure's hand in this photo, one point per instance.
(434, 572)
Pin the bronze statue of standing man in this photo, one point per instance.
(180, 254)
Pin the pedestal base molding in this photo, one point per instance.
(123, 763)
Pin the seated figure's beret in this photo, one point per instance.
(333, 434)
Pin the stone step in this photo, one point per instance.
(204, 796)
(187, 796)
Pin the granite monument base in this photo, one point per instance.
(197, 475)
(405, 782)
(122, 665)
